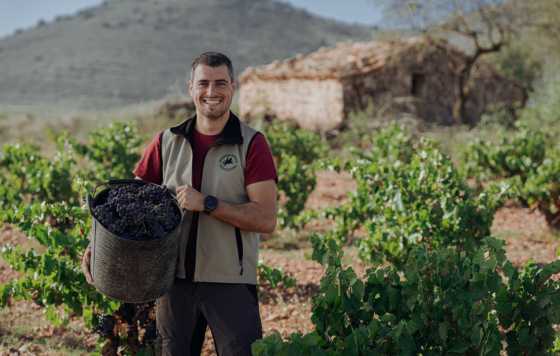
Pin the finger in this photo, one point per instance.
(85, 268)
(87, 273)
(86, 259)
(184, 204)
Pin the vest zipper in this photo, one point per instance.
(239, 249)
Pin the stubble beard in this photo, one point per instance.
(214, 115)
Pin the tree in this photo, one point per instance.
(542, 28)
(480, 27)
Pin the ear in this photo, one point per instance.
(190, 87)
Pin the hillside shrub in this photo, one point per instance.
(518, 63)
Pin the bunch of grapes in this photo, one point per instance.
(127, 312)
(105, 325)
(136, 321)
(138, 212)
(150, 331)
(152, 193)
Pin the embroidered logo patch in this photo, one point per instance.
(228, 162)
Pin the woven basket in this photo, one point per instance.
(128, 270)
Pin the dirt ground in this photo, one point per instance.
(24, 331)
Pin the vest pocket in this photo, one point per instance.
(239, 249)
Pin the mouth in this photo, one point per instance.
(212, 101)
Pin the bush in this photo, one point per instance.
(544, 108)
(409, 193)
(442, 301)
(518, 63)
(297, 153)
(448, 287)
(527, 161)
(516, 154)
(26, 174)
(527, 307)
(111, 151)
(43, 197)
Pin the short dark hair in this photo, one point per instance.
(213, 59)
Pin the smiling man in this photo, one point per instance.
(224, 176)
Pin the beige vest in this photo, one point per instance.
(224, 253)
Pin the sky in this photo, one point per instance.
(19, 14)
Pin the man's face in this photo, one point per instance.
(212, 91)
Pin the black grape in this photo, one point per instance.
(127, 312)
(150, 333)
(105, 325)
(138, 212)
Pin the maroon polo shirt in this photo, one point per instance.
(259, 167)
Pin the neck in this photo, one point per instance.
(208, 126)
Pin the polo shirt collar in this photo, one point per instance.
(230, 135)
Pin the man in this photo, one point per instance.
(224, 176)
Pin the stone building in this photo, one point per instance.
(417, 76)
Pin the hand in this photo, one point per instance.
(189, 198)
(86, 259)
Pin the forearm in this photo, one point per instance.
(248, 216)
(257, 215)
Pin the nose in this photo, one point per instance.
(211, 89)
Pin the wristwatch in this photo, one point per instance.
(210, 204)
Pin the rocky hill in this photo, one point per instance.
(127, 51)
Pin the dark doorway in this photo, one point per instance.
(418, 81)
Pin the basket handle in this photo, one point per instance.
(126, 180)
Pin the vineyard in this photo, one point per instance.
(402, 258)
(420, 217)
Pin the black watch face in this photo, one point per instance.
(210, 203)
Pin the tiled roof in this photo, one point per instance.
(346, 59)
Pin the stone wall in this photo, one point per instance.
(415, 77)
(421, 81)
(314, 104)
